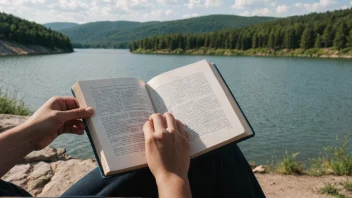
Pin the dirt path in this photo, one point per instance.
(282, 186)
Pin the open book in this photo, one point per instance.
(196, 94)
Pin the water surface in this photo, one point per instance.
(298, 104)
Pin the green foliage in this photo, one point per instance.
(347, 184)
(12, 105)
(340, 160)
(318, 166)
(108, 34)
(289, 165)
(334, 160)
(29, 33)
(330, 189)
(288, 33)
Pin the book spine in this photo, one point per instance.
(91, 142)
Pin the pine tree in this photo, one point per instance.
(318, 43)
(307, 38)
(340, 40)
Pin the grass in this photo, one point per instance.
(289, 165)
(347, 184)
(332, 161)
(11, 104)
(330, 189)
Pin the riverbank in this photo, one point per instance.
(10, 48)
(50, 172)
(314, 52)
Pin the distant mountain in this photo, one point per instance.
(60, 25)
(119, 33)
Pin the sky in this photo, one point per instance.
(83, 11)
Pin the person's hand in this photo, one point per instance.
(57, 116)
(168, 155)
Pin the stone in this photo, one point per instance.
(18, 172)
(18, 175)
(9, 121)
(259, 169)
(48, 154)
(39, 177)
(66, 174)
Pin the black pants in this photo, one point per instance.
(221, 173)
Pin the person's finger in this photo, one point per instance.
(148, 130)
(158, 122)
(78, 123)
(181, 128)
(75, 114)
(70, 102)
(170, 121)
(73, 129)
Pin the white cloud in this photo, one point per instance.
(106, 11)
(282, 9)
(4, 2)
(190, 15)
(318, 6)
(167, 2)
(83, 11)
(257, 12)
(193, 4)
(261, 12)
(245, 13)
(169, 12)
(241, 4)
(156, 13)
(212, 3)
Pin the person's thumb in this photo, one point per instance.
(74, 114)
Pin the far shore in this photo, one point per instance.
(312, 53)
(10, 48)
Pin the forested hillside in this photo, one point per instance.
(24, 32)
(120, 33)
(60, 25)
(316, 30)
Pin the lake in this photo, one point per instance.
(298, 104)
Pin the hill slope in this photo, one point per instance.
(60, 25)
(24, 32)
(316, 30)
(108, 33)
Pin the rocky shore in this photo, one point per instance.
(50, 172)
(9, 48)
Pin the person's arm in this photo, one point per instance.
(167, 153)
(57, 116)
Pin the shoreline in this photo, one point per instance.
(10, 48)
(298, 53)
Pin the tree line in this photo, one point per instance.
(123, 45)
(22, 31)
(315, 30)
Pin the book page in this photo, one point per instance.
(121, 107)
(195, 96)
